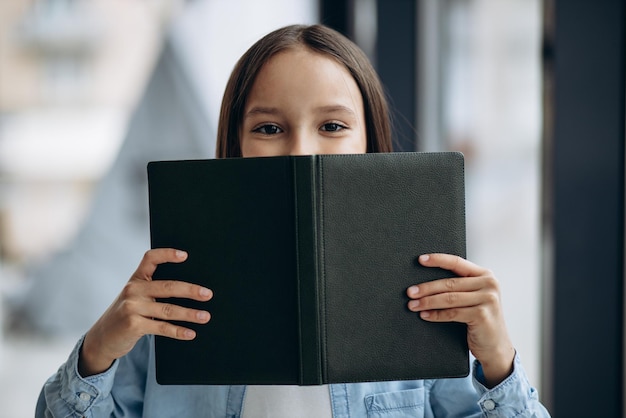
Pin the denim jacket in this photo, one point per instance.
(129, 389)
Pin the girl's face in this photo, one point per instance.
(303, 103)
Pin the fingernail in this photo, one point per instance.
(202, 316)
(205, 292)
(413, 291)
(189, 334)
(181, 254)
(425, 314)
(424, 257)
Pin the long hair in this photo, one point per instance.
(317, 38)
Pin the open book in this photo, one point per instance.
(309, 258)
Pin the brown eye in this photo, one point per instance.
(268, 129)
(332, 127)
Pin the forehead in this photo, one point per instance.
(302, 57)
(300, 73)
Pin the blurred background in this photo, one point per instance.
(92, 90)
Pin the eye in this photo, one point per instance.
(268, 129)
(333, 127)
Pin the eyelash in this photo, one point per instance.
(262, 129)
(339, 126)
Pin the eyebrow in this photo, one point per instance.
(336, 108)
(260, 110)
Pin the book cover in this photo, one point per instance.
(309, 258)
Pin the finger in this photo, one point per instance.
(171, 312)
(449, 300)
(154, 257)
(454, 263)
(470, 315)
(454, 284)
(166, 329)
(487, 286)
(177, 289)
(447, 315)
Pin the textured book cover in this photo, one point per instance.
(309, 258)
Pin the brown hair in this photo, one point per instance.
(320, 39)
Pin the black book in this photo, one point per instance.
(309, 258)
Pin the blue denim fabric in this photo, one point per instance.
(129, 389)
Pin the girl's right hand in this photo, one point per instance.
(136, 313)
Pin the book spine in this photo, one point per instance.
(304, 177)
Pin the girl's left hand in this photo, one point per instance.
(474, 299)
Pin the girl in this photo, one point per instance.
(298, 90)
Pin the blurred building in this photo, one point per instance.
(70, 71)
(157, 98)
